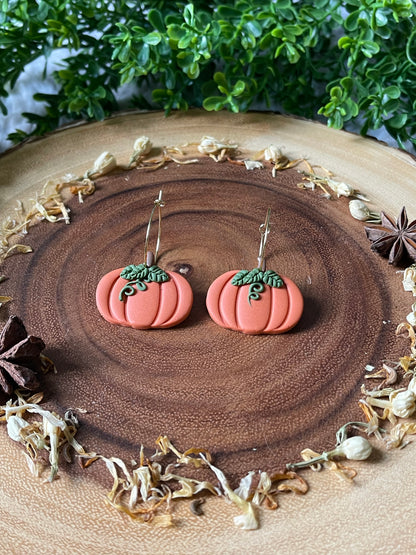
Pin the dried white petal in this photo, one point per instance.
(142, 146)
(244, 486)
(409, 279)
(359, 210)
(356, 448)
(341, 189)
(247, 520)
(14, 425)
(411, 317)
(105, 163)
(403, 403)
(272, 153)
(210, 145)
(253, 164)
(412, 385)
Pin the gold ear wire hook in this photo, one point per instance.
(264, 232)
(149, 257)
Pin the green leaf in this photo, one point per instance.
(272, 279)
(133, 272)
(238, 88)
(398, 121)
(156, 20)
(214, 103)
(238, 279)
(152, 38)
(253, 276)
(188, 15)
(392, 92)
(221, 80)
(143, 55)
(157, 275)
(336, 92)
(369, 48)
(254, 28)
(228, 12)
(176, 32)
(351, 22)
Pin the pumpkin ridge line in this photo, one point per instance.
(219, 303)
(290, 294)
(111, 292)
(240, 292)
(162, 295)
(271, 306)
(159, 294)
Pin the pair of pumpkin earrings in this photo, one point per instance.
(144, 296)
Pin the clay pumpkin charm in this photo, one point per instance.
(257, 301)
(144, 296)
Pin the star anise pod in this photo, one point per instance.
(394, 239)
(19, 357)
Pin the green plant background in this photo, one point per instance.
(345, 62)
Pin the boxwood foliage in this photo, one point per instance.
(346, 61)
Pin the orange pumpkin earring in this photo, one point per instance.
(257, 301)
(145, 296)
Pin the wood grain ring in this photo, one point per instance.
(255, 402)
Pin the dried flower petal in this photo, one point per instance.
(210, 145)
(411, 317)
(217, 150)
(360, 211)
(247, 520)
(142, 145)
(5, 299)
(105, 163)
(253, 164)
(387, 373)
(409, 279)
(14, 425)
(403, 403)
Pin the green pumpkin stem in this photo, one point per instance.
(257, 279)
(138, 276)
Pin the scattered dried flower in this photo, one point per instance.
(105, 163)
(360, 211)
(141, 147)
(248, 519)
(280, 161)
(401, 403)
(355, 448)
(387, 373)
(394, 239)
(50, 434)
(344, 190)
(272, 154)
(253, 164)
(217, 150)
(4, 299)
(411, 317)
(409, 279)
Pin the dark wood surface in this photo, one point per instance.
(254, 401)
(258, 391)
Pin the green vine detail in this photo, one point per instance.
(257, 279)
(138, 276)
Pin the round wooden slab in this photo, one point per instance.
(253, 401)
